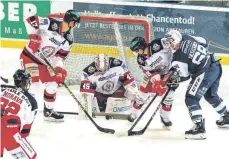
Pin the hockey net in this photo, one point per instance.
(109, 34)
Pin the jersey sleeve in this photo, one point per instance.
(35, 23)
(126, 78)
(87, 86)
(30, 114)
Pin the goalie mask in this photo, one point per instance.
(22, 79)
(174, 37)
(101, 62)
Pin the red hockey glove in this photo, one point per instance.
(60, 75)
(158, 88)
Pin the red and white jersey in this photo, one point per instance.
(55, 45)
(116, 75)
(159, 59)
(15, 101)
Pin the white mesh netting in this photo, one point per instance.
(109, 34)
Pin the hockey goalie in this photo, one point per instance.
(107, 86)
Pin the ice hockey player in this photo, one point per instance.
(50, 38)
(18, 111)
(155, 61)
(107, 84)
(192, 58)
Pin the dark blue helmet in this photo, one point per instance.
(22, 78)
(138, 43)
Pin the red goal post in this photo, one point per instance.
(105, 33)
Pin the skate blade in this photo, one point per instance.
(226, 126)
(201, 136)
(50, 119)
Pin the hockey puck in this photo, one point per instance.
(108, 117)
(130, 119)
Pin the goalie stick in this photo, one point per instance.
(106, 115)
(130, 131)
(105, 130)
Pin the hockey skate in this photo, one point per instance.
(197, 132)
(223, 122)
(166, 123)
(51, 115)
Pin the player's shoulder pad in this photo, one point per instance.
(4, 87)
(187, 43)
(32, 100)
(90, 69)
(69, 37)
(54, 25)
(114, 62)
(156, 45)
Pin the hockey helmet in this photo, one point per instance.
(174, 37)
(101, 62)
(72, 15)
(22, 79)
(138, 43)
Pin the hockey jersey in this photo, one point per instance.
(55, 45)
(15, 101)
(192, 57)
(159, 59)
(115, 76)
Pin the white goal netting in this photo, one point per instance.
(109, 34)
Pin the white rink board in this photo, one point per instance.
(80, 139)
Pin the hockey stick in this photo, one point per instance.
(105, 130)
(140, 132)
(106, 115)
(165, 80)
(4, 79)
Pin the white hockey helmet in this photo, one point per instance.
(101, 62)
(174, 37)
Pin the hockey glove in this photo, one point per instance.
(60, 75)
(158, 88)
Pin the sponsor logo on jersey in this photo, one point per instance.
(158, 60)
(192, 50)
(54, 26)
(186, 45)
(107, 77)
(53, 40)
(108, 86)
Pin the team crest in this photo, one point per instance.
(108, 86)
(54, 26)
(48, 51)
(116, 62)
(156, 47)
(91, 69)
(69, 37)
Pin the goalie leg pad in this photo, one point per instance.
(86, 101)
(118, 105)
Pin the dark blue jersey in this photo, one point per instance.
(192, 56)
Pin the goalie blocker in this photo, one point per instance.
(107, 86)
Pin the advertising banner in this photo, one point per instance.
(13, 13)
(213, 25)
